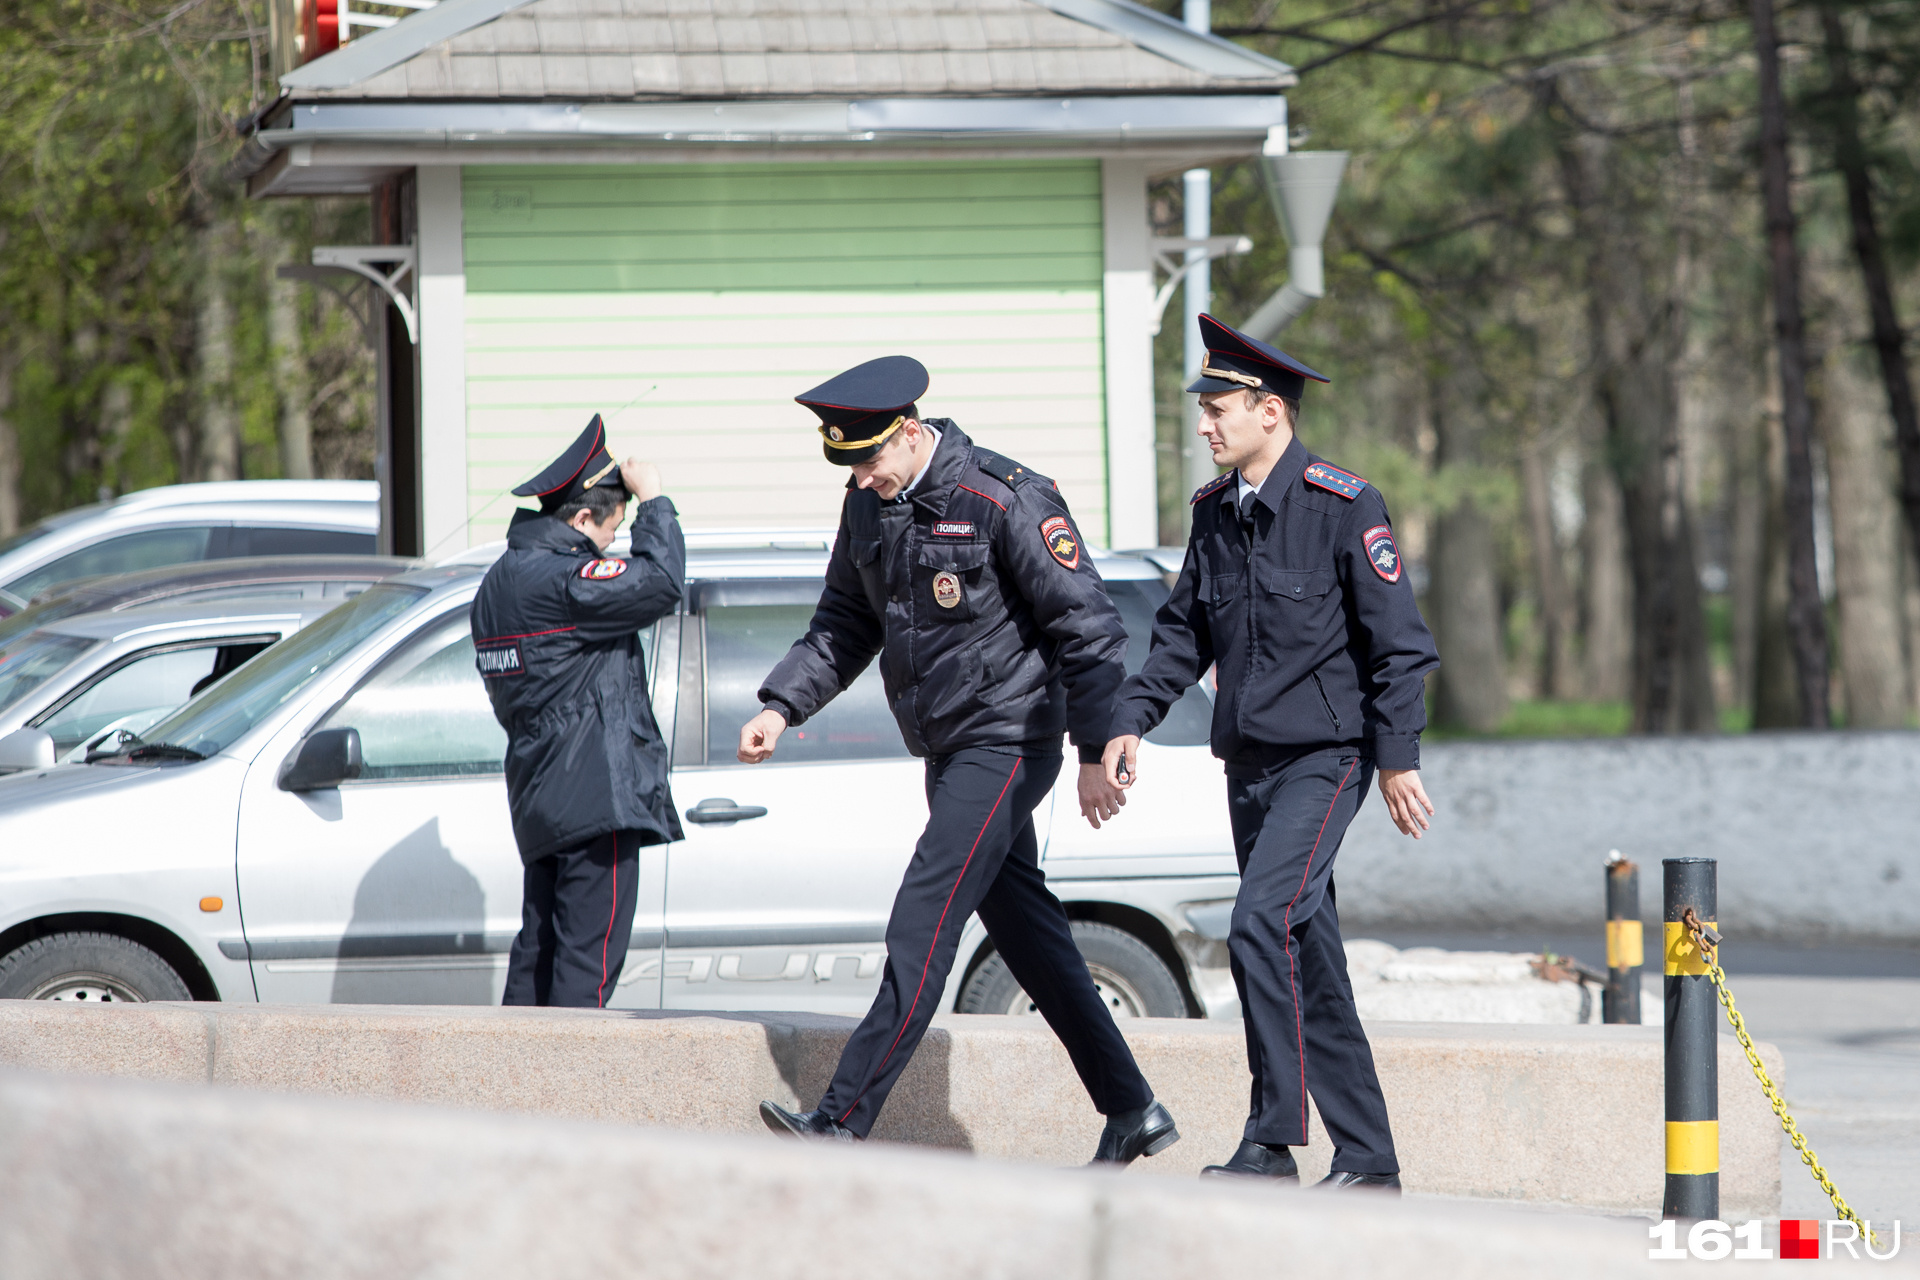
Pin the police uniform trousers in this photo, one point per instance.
(576, 921)
(1290, 966)
(979, 853)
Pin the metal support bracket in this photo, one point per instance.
(359, 260)
(1170, 254)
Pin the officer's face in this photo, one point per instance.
(602, 535)
(894, 467)
(1236, 432)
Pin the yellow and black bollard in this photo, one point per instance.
(1620, 1001)
(1693, 1078)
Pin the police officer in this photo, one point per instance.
(555, 629)
(964, 574)
(1294, 587)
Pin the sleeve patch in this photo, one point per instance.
(1381, 553)
(1334, 480)
(601, 570)
(1063, 544)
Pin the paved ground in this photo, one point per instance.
(1848, 1021)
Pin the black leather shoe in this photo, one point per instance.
(812, 1124)
(1132, 1134)
(1371, 1181)
(1255, 1161)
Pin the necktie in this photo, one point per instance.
(1247, 498)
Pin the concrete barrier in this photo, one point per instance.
(1557, 1115)
(131, 1181)
(1813, 831)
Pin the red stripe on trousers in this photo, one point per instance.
(1293, 980)
(600, 993)
(925, 968)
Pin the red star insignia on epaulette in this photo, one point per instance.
(1212, 486)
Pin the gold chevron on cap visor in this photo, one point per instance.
(827, 433)
(1230, 375)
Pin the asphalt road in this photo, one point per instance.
(1848, 1021)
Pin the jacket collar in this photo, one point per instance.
(951, 458)
(1281, 481)
(548, 533)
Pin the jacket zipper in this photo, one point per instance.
(1326, 702)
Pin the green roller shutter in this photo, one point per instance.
(689, 303)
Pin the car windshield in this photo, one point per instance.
(216, 720)
(35, 532)
(29, 661)
(39, 615)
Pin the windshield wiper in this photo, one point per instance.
(138, 750)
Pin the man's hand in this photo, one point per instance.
(642, 480)
(1099, 800)
(1405, 798)
(758, 735)
(1121, 761)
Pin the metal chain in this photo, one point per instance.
(1710, 953)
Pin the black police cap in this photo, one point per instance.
(862, 408)
(1236, 361)
(585, 464)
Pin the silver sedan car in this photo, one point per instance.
(345, 788)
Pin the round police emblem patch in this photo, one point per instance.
(836, 435)
(1381, 553)
(946, 589)
(601, 570)
(1062, 543)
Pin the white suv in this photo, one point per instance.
(376, 863)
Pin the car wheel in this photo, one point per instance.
(1133, 980)
(94, 968)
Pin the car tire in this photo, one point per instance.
(1129, 974)
(95, 968)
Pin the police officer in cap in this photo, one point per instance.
(1294, 588)
(555, 627)
(963, 573)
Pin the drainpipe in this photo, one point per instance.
(1302, 185)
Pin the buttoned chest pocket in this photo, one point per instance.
(1220, 595)
(1307, 588)
(949, 580)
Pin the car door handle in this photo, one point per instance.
(722, 810)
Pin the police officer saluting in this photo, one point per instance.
(1294, 587)
(964, 574)
(555, 629)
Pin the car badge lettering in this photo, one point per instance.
(1381, 553)
(1062, 544)
(499, 659)
(946, 589)
(954, 528)
(601, 570)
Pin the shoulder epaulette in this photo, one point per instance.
(1004, 469)
(1212, 486)
(1331, 478)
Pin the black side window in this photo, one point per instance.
(1190, 720)
(298, 542)
(743, 642)
(150, 549)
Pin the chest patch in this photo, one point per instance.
(1334, 480)
(497, 658)
(946, 589)
(1063, 544)
(1381, 553)
(601, 570)
(953, 528)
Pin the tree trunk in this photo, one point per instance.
(1775, 699)
(9, 450)
(1745, 447)
(1631, 333)
(1606, 588)
(1889, 340)
(1866, 547)
(1471, 688)
(289, 362)
(1556, 675)
(218, 444)
(1806, 618)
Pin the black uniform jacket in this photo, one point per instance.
(992, 625)
(555, 631)
(1313, 623)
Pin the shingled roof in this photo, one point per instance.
(791, 50)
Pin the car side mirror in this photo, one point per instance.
(26, 749)
(324, 759)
